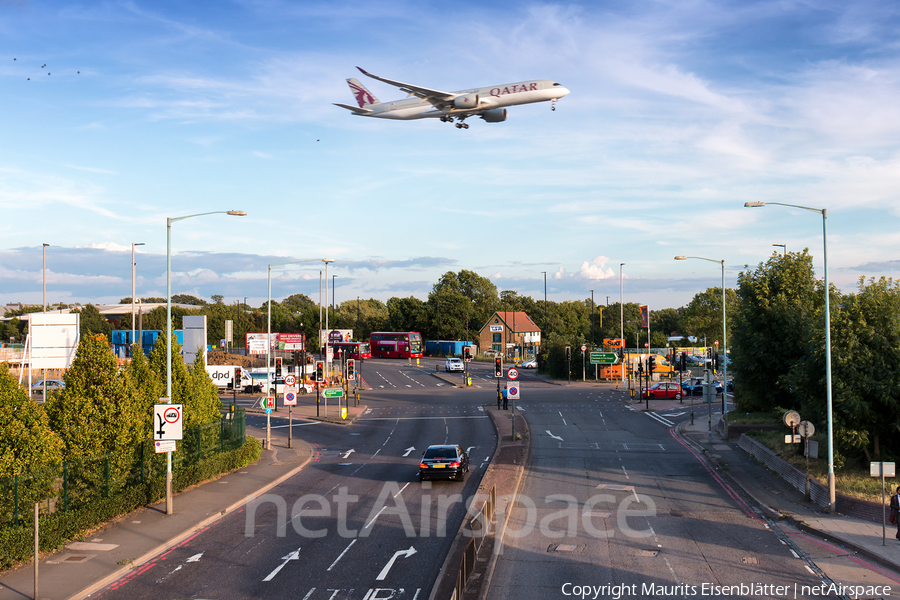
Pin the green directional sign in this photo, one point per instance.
(333, 392)
(604, 358)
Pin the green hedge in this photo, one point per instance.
(58, 529)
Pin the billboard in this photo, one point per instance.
(256, 342)
(194, 328)
(54, 339)
(645, 316)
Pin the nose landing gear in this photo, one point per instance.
(553, 104)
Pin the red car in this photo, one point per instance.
(663, 389)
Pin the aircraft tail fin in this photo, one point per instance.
(363, 96)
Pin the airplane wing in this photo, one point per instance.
(357, 109)
(435, 97)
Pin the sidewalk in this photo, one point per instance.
(778, 499)
(122, 546)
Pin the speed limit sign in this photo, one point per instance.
(583, 347)
(289, 380)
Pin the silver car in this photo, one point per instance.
(454, 364)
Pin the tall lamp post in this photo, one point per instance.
(782, 246)
(724, 334)
(622, 320)
(269, 350)
(44, 277)
(824, 213)
(169, 221)
(133, 290)
(326, 261)
(545, 332)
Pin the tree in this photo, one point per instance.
(191, 387)
(777, 305)
(407, 314)
(27, 441)
(92, 322)
(703, 316)
(218, 298)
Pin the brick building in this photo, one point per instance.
(513, 334)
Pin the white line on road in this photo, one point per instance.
(662, 420)
(555, 437)
(340, 556)
(295, 555)
(626, 473)
(401, 490)
(369, 524)
(404, 553)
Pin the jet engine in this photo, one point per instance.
(467, 101)
(495, 115)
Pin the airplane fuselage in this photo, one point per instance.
(509, 94)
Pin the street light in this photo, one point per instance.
(824, 213)
(622, 321)
(169, 221)
(133, 272)
(724, 338)
(44, 277)
(269, 352)
(326, 261)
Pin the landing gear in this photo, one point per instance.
(553, 104)
(462, 126)
(447, 119)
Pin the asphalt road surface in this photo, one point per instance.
(355, 523)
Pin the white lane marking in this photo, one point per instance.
(404, 553)
(555, 437)
(401, 490)
(194, 558)
(376, 453)
(624, 471)
(348, 453)
(369, 524)
(794, 553)
(295, 555)
(306, 597)
(564, 422)
(662, 420)
(297, 425)
(340, 557)
(408, 450)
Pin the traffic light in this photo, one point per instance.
(683, 361)
(716, 362)
(320, 370)
(296, 360)
(236, 383)
(651, 363)
(640, 366)
(467, 352)
(277, 367)
(568, 354)
(498, 367)
(351, 369)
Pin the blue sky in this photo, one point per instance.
(117, 115)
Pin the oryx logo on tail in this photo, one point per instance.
(363, 96)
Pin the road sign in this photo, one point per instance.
(806, 429)
(875, 469)
(167, 421)
(290, 380)
(270, 402)
(333, 392)
(162, 446)
(513, 373)
(512, 391)
(583, 347)
(290, 398)
(604, 358)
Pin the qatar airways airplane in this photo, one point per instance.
(488, 102)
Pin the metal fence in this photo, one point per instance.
(73, 484)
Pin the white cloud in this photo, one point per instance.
(597, 269)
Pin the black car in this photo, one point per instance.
(451, 462)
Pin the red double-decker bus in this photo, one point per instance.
(390, 344)
(355, 350)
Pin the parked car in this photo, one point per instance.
(454, 364)
(52, 386)
(664, 389)
(694, 387)
(531, 363)
(451, 462)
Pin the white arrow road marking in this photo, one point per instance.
(469, 449)
(194, 558)
(295, 555)
(348, 453)
(398, 553)
(555, 437)
(408, 450)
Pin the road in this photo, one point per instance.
(354, 524)
(613, 497)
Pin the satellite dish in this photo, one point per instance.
(791, 418)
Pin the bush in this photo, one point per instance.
(58, 529)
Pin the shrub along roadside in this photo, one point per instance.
(58, 529)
